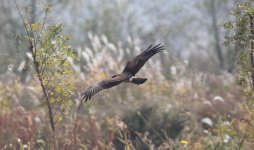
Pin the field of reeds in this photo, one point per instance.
(175, 108)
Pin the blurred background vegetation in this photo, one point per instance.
(190, 101)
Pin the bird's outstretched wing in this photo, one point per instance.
(103, 85)
(138, 62)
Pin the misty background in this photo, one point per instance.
(191, 31)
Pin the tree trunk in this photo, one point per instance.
(216, 34)
(252, 49)
(33, 11)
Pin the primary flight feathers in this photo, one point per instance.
(128, 74)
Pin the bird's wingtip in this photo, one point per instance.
(85, 96)
(159, 47)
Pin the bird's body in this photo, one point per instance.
(127, 75)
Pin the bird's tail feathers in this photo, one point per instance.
(138, 80)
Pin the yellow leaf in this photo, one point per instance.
(184, 142)
(36, 27)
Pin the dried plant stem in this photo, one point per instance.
(76, 122)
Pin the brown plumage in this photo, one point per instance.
(128, 74)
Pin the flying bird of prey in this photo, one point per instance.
(127, 75)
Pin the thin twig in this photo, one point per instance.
(43, 25)
(156, 132)
(59, 104)
(21, 17)
(43, 67)
(55, 72)
(57, 118)
(76, 121)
